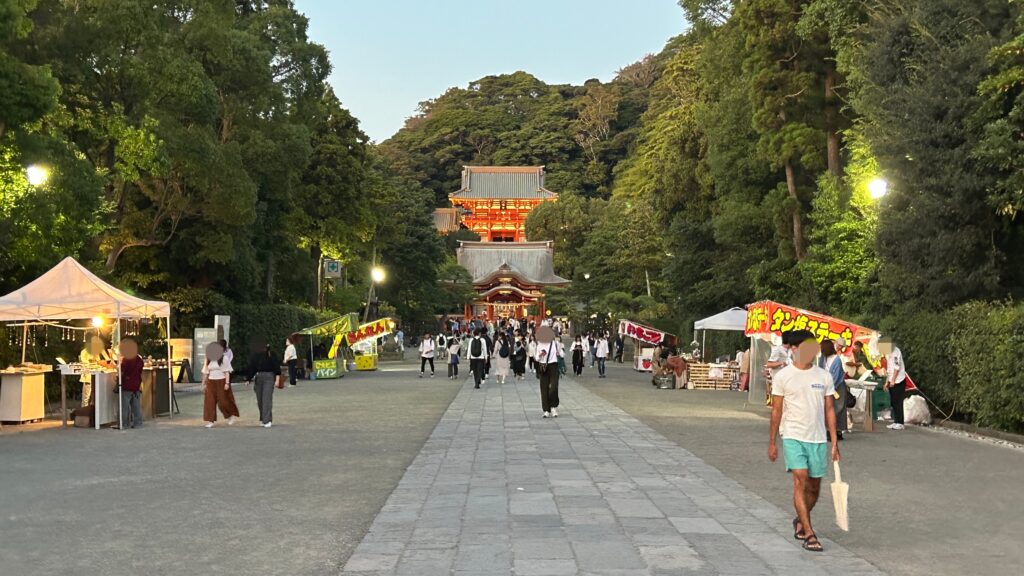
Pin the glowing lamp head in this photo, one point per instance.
(878, 188)
(97, 322)
(377, 274)
(37, 175)
(586, 276)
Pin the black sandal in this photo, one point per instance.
(797, 531)
(812, 544)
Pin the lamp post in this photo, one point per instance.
(377, 276)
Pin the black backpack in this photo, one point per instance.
(475, 349)
(503, 351)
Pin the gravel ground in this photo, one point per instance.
(175, 498)
(922, 501)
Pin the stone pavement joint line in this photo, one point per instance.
(498, 490)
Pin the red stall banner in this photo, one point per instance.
(645, 334)
(374, 329)
(769, 317)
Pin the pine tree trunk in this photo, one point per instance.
(315, 253)
(798, 226)
(833, 139)
(270, 278)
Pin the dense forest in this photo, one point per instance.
(195, 153)
(739, 164)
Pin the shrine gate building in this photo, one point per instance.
(494, 200)
(509, 273)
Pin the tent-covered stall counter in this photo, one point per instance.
(65, 294)
(363, 342)
(645, 340)
(716, 375)
(329, 360)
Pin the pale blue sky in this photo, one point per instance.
(389, 55)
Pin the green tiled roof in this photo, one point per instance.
(513, 182)
(532, 262)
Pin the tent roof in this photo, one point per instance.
(732, 319)
(339, 325)
(69, 291)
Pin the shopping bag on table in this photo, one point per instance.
(840, 496)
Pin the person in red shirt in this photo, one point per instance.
(131, 385)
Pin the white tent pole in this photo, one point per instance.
(24, 340)
(170, 372)
(704, 346)
(120, 381)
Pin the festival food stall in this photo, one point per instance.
(645, 340)
(334, 331)
(716, 375)
(767, 321)
(69, 292)
(363, 342)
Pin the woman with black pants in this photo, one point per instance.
(549, 350)
(578, 356)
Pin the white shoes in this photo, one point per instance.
(232, 420)
(895, 426)
(208, 425)
(268, 424)
(554, 412)
(546, 415)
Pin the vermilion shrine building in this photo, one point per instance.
(509, 273)
(494, 200)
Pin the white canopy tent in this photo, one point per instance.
(69, 291)
(731, 320)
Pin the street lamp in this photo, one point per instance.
(377, 276)
(878, 188)
(586, 275)
(37, 175)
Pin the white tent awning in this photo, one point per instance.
(69, 291)
(731, 319)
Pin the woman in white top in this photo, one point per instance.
(549, 350)
(602, 354)
(427, 349)
(502, 358)
(291, 359)
(217, 389)
(531, 352)
(454, 347)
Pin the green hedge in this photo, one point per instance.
(249, 322)
(986, 344)
(968, 360)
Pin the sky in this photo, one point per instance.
(390, 55)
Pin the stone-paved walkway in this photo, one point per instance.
(499, 490)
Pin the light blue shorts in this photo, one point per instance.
(810, 456)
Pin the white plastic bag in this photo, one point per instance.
(915, 410)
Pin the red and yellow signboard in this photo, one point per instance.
(374, 329)
(773, 318)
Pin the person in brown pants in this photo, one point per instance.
(217, 391)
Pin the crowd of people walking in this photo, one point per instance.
(511, 347)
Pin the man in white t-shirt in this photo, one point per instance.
(802, 409)
(895, 379)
